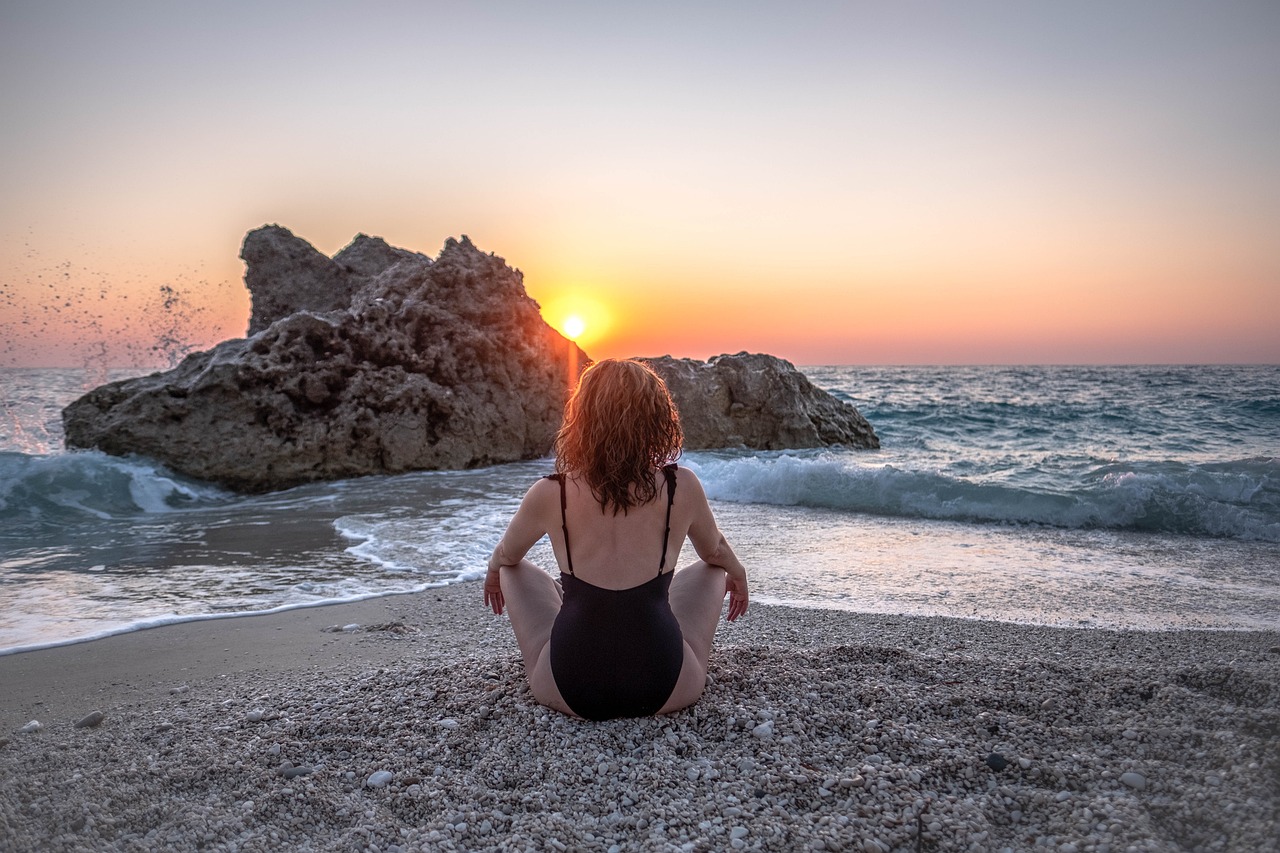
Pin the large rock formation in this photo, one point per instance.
(285, 274)
(378, 360)
(757, 401)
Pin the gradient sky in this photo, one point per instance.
(1015, 182)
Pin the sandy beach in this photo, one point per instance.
(819, 730)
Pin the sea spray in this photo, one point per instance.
(70, 313)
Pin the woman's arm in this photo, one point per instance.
(526, 527)
(713, 549)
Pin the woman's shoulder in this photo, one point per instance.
(686, 478)
(544, 487)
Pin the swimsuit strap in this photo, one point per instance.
(668, 471)
(564, 522)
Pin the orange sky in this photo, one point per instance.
(829, 182)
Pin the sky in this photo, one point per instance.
(834, 183)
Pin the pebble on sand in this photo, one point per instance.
(33, 726)
(996, 761)
(90, 721)
(1134, 780)
(379, 779)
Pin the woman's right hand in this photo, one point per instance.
(738, 596)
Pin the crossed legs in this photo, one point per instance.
(533, 602)
(697, 596)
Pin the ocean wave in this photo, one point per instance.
(451, 542)
(64, 487)
(1234, 500)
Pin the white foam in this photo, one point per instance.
(453, 540)
(1235, 500)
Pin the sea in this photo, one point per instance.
(1124, 497)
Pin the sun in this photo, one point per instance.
(579, 317)
(573, 326)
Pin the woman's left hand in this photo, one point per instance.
(493, 591)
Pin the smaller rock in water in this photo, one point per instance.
(33, 726)
(379, 779)
(996, 761)
(757, 401)
(1134, 780)
(92, 720)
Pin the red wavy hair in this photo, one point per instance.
(620, 424)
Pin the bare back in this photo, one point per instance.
(623, 550)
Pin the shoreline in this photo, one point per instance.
(335, 606)
(856, 731)
(206, 647)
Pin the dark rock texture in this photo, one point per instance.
(757, 401)
(285, 274)
(376, 361)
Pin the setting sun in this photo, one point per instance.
(575, 313)
(573, 326)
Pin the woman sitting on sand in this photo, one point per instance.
(629, 636)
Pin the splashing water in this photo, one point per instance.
(75, 315)
(175, 324)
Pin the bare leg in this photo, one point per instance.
(533, 602)
(697, 597)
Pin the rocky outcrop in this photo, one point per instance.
(757, 401)
(285, 274)
(378, 360)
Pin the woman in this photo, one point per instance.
(629, 636)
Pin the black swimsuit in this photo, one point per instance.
(616, 652)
